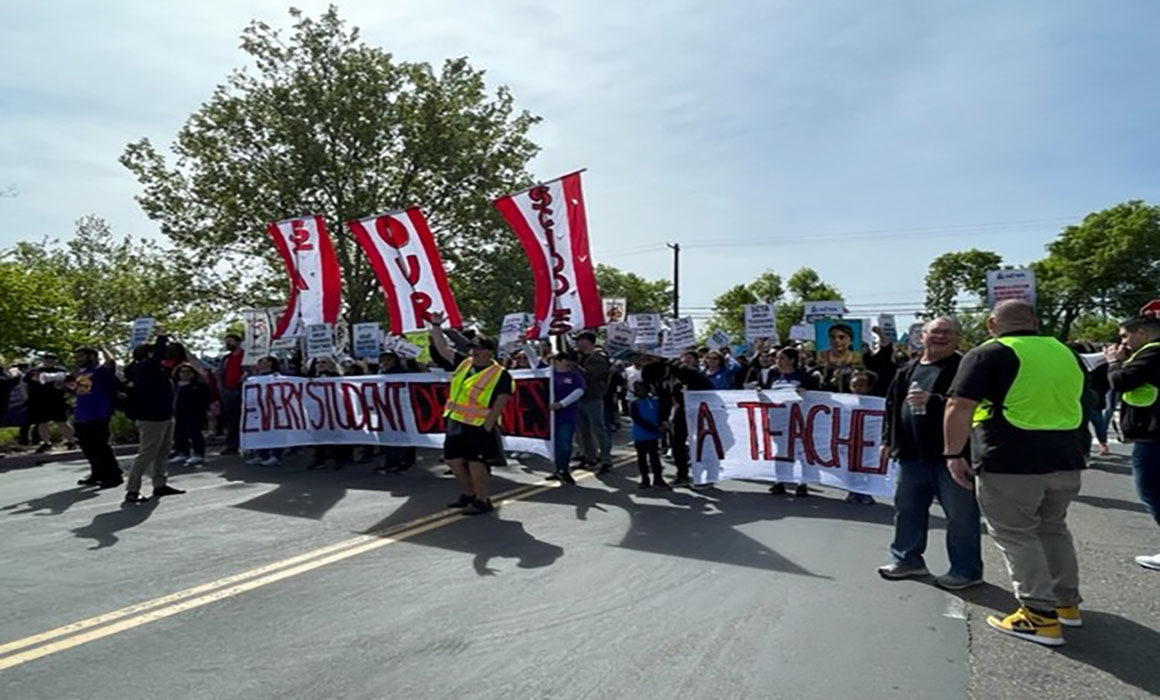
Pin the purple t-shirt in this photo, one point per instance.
(563, 384)
(95, 388)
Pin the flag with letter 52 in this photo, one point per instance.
(315, 278)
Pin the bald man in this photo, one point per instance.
(1019, 399)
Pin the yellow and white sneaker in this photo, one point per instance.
(1069, 616)
(1025, 624)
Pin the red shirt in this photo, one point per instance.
(232, 376)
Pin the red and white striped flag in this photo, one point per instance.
(550, 222)
(407, 264)
(315, 278)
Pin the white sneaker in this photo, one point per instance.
(270, 462)
(178, 459)
(194, 461)
(254, 461)
(1149, 562)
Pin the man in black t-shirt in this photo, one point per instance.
(914, 436)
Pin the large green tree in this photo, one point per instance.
(323, 123)
(952, 274)
(640, 294)
(90, 289)
(729, 307)
(1109, 264)
(804, 285)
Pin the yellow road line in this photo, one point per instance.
(174, 603)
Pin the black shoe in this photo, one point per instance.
(134, 498)
(44, 447)
(590, 466)
(553, 477)
(644, 484)
(660, 484)
(88, 482)
(686, 482)
(70, 445)
(478, 507)
(801, 491)
(566, 477)
(110, 484)
(166, 491)
(462, 502)
(449, 472)
(777, 489)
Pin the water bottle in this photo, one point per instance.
(920, 409)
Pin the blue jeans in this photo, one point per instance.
(563, 444)
(1146, 475)
(920, 481)
(1096, 417)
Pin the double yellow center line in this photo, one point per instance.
(75, 634)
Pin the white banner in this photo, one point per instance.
(760, 322)
(1010, 284)
(815, 310)
(648, 329)
(315, 278)
(392, 409)
(780, 435)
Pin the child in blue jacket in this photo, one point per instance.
(647, 426)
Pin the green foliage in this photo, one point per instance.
(89, 290)
(1108, 264)
(641, 295)
(952, 274)
(729, 307)
(1095, 328)
(323, 123)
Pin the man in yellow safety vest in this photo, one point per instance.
(1020, 399)
(480, 388)
(1134, 372)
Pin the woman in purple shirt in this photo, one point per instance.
(567, 388)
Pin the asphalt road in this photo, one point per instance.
(283, 583)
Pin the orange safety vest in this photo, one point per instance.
(470, 399)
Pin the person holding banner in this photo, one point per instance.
(1020, 398)
(720, 369)
(1134, 372)
(480, 388)
(396, 459)
(913, 435)
(788, 373)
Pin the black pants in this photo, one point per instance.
(648, 456)
(680, 440)
(188, 439)
(341, 454)
(93, 438)
(232, 416)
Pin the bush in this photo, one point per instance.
(122, 431)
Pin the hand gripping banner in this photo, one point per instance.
(407, 264)
(315, 279)
(550, 222)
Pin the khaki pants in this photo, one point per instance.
(1026, 515)
(156, 438)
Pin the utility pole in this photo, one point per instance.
(676, 248)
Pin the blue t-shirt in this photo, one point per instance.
(94, 389)
(646, 419)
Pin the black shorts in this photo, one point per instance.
(474, 444)
(48, 413)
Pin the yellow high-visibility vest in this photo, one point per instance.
(1048, 390)
(1144, 395)
(470, 399)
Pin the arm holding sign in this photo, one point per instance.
(439, 340)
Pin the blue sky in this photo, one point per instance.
(857, 138)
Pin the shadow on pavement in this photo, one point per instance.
(53, 503)
(492, 538)
(1114, 503)
(1113, 464)
(105, 526)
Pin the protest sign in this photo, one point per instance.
(395, 409)
(867, 331)
(815, 438)
(615, 310)
(648, 329)
(823, 309)
(668, 349)
(621, 339)
(889, 327)
(802, 331)
(319, 340)
(719, 339)
(682, 334)
(142, 329)
(368, 340)
(401, 347)
(837, 341)
(513, 328)
(914, 336)
(257, 336)
(1010, 284)
(760, 322)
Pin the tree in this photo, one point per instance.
(952, 274)
(640, 295)
(36, 311)
(93, 287)
(323, 123)
(805, 285)
(1108, 264)
(729, 307)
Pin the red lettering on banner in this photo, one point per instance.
(541, 197)
(526, 413)
(812, 456)
(421, 305)
(561, 321)
(294, 403)
(380, 402)
(859, 443)
(276, 410)
(751, 408)
(392, 231)
(797, 434)
(299, 236)
(412, 271)
(427, 401)
(353, 408)
(318, 416)
(247, 409)
(759, 426)
(707, 427)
